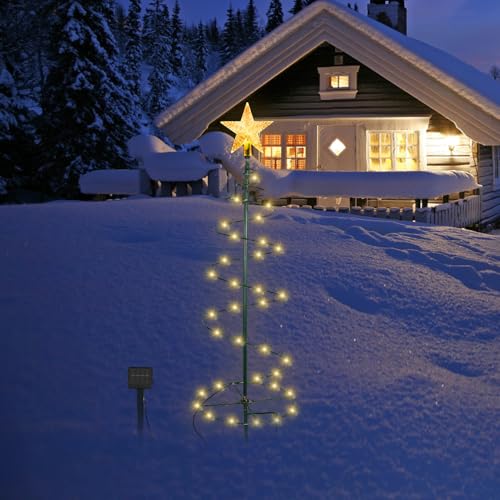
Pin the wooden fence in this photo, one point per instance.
(460, 213)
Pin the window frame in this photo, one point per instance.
(286, 143)
(329, 93)
(393, 146)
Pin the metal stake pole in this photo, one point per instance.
(140, 410)
(247, 152)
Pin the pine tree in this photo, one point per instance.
(133, 48)
(228, 49)
(159, 78)
(200, 51)
(150, 27)
(88, 110)
(120, 31)
(274, 15)
(240, 39)
(308, 2)
(298, 5)
(213, 34)
(251, 25)
(17, 136)
(175, 41)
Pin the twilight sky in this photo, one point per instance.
(468, 29)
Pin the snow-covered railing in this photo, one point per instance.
(460, 213)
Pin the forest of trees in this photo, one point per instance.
(79, 78)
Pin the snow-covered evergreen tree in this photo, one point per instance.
(251, 24)
(88, 110)
(133, 48)
(298, 5)
(159, 78)
(119, 30)
(240, 38)
(229, 48)
(175, 40)
(200, 53)
(308, 2)
(155, 11)
(274, 15)
(17, 139)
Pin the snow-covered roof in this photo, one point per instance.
(451, 87)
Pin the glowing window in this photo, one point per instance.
(393, 151)
(271, 156)
(339, 82)
(296, 151)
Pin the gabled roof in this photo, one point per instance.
(458, 91)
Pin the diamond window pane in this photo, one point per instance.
(337, 147)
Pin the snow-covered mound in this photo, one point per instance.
(393, 326)
(310, 183)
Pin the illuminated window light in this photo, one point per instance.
(290, 393)
(292, 410)
(337, 147)
(286, 360)
(257, 378)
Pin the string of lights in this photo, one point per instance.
(258, 402)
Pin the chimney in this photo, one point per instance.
(389, 12)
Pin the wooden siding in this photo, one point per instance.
(490, 195)
(295, 93)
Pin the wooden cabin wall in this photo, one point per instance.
(490, 195)
(295, 93)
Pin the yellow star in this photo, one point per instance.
(247, 131)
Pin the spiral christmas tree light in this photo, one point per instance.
(262, 397)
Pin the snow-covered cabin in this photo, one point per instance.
(348, 93)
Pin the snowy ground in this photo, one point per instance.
(394, 328)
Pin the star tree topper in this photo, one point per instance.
(247, 131)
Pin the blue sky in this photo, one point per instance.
(467, 29)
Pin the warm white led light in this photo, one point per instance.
(265, 349)
(224, 224)
(196, 406)
(202, 392)
(209, 415)
(292, 410)
(236, 198)
(212, 274)
(276, 373)
(218, 385)
(224, 260)
(234, 236)
(263, 303)
(258, 255)
(289, 393)
(231, 420)
(277, 420)
(234, 283)
(286, 360)
(212, 314)
(258, 218)
(278, 248)
(234, 307)
(238, 340)
(274, 386)
(262, 242)
(256, 422)
(258, 289)
(217, 333)
(257, 378)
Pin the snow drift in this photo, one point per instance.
(307, 183)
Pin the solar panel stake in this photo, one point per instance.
(140, 378)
